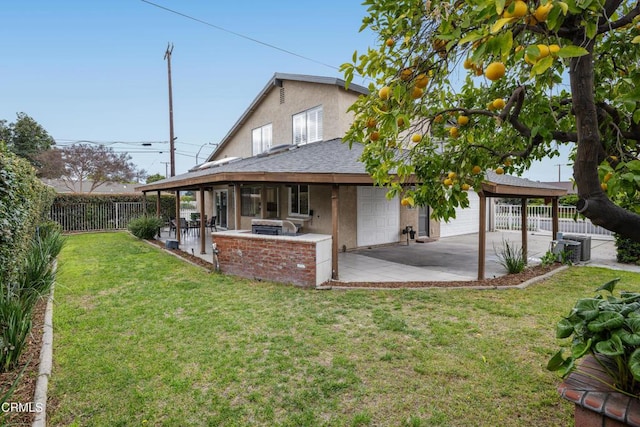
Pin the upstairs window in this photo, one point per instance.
(261, 139)
(307, 126)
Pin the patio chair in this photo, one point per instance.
(172, 227)
(184, 226)
(212, 224)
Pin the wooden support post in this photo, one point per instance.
(178, 216)
(523, 227)
(203, 241)
(335, 204)
(158, 205)
(555, 220)
(482, 236)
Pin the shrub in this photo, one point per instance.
(145, 227)
(549, 258)
(15, 324)
(627, 250)
(511, 257)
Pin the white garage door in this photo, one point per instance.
(466, 221)
(378, 218)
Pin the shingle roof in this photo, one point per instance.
(331, 157)
(515, 181)
(323, 162)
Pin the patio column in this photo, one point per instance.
(482, 235)
(555, 221)
(523, 227)
(202, 224)
(158, 204)
(178, 216)
(335, 204)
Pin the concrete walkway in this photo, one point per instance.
(447, 259)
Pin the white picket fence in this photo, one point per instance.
(95, 216)
(539, 218)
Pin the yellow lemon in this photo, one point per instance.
(495, 71)
(498, 103)
(384, 92)
(422, 80)
(463, 120)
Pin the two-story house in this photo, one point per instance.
(284, 159)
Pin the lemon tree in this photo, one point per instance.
(525, 75)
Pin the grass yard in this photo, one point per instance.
(143, 338)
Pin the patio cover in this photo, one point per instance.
(507, 186)
(333, 162)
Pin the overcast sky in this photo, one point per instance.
(95, 70)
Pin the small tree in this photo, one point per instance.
(154, 178)
(26, 138)
(467, 86)
(99, 164)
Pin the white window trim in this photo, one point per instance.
(264, 145)
(306, 137)
(297, 214)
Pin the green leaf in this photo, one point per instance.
(564, 329)
(609, 320)
(609, 286)
(634, 364)
(580, 349)
(556, 362)
(635, 40)
(572, 51)
(632, 336)
(542, 65)
(497, 26)
(611, 347)
(587, 308)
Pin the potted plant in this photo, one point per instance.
(605, 333)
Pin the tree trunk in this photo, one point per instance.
(593, 203)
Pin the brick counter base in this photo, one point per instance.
(285, 261)
(595, 403)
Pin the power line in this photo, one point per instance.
(241, 35)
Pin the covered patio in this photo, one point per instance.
(335, 171)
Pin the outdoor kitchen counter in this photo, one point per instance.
(303, 259)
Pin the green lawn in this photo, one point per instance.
(143, 338)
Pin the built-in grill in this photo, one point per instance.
(273, 227)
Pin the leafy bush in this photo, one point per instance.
(607, 327)
(15, 324)
(627, 250)
(18, 298)
(511, 257)
(145, 227)
(24, 200)
(549, 258)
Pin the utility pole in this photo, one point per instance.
(167, 56)
(166, 169)
(559, 165)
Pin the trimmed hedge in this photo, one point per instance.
(628, 251)
(24, 202)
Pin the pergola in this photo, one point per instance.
(513, 187)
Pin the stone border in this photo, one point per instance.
(46, 363)
(522, 285)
